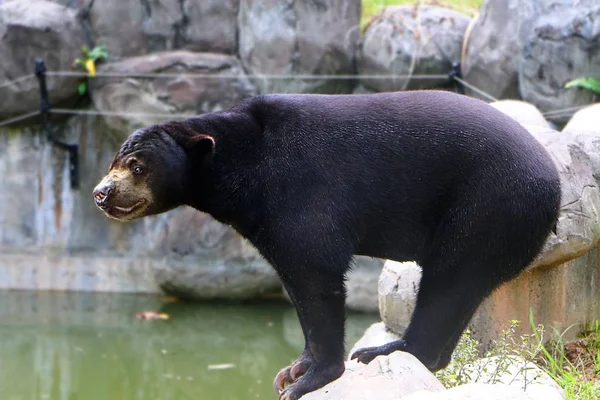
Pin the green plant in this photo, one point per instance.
(88, 61)
(579, 378)
(589, 83)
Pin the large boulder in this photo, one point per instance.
(522, 112)
(233, 268)
(562, 45)
(516, 372)
(398, 288)
(475, 391)
(384, 378)
(584, 127)
(492, 47)
(411, 40)
(129, 28)
(147, 100)
(31, 29)
(299, 38)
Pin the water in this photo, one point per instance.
(57, 346)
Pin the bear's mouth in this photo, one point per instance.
(129, 210)
(121, 212)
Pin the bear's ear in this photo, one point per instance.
(203, 146)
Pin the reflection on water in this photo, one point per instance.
(91, 347)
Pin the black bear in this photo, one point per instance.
(311, 180)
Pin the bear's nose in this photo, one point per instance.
(102, 193)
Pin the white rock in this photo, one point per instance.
(518, 373)
(376, 335)
(384, 378)
(473, 391)
(522, 112)
(578, 228)
(584, 128)
(398, 287)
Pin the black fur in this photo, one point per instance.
(311, 180)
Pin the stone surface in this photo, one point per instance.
(563, 45)
(376, 335)
(133, 28)
(474, 391)
(221, 85)
(492, 49)
(516, 372)
(578, 228)
(584, 127)
(384, 378)
(31, 29)
(361, 284)
(521, 111)
(406, 40)
(398, 287)
(299, 37)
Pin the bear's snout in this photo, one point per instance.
(102, 193)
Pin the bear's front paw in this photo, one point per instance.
(368, 354)
(315, 378)
(293, 372)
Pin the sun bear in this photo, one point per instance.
(433, 177)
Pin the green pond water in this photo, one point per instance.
(57, 346)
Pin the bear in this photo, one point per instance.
(311, 180)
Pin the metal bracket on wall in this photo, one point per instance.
(71, 148)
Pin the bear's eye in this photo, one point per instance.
(137, 169)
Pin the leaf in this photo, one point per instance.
(588, 83)
(220, 366)
(99, 52)
(90, 66)
(151, 315)
(82, 88)
(84, 49)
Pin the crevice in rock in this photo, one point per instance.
(180, 27)
(83, 16)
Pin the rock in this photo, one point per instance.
(398, 287)
(31, 29)
(523, 112)
(384, 378)
(376, 335)
(492, 47)
(474, 391)
(578, 227)
(299, 37)
(563, 45)
(361, 285)
(211, 25)
(232, 266)
(135, 28)
(223, 85)
(515, 372)
(407, 40)
(584, 127)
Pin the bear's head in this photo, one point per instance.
(149, 174)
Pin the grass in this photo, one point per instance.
(371, 8)
(575, 366)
